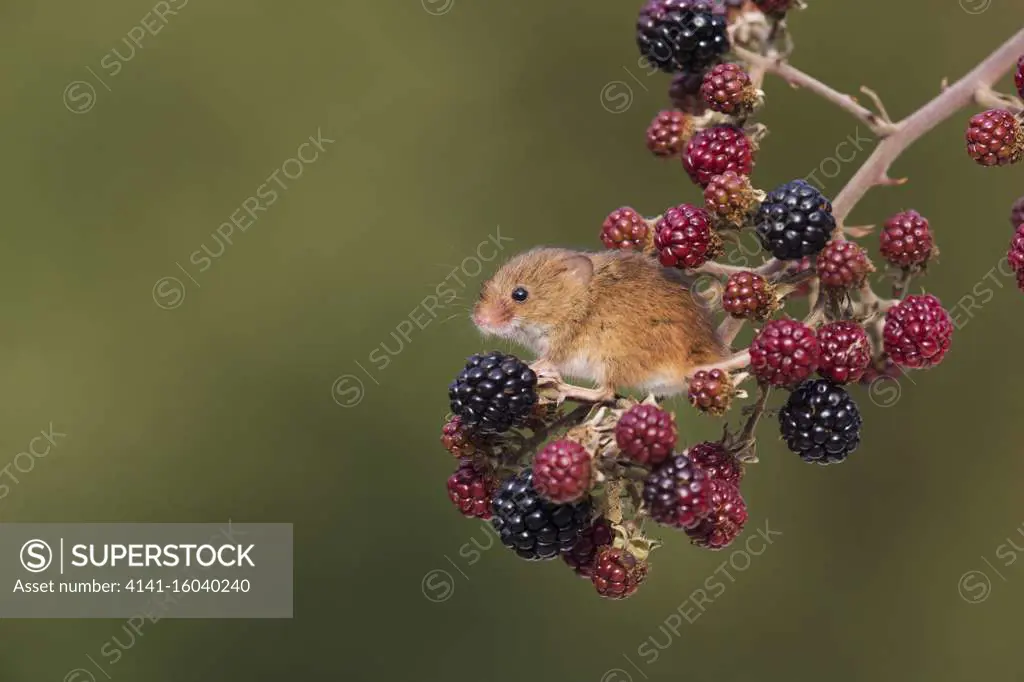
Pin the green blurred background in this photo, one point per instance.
(451, 119)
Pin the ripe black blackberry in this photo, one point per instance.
(795, 221)
(531, 526)
(493, 393)
(681, 35)
(678, 493)
(820, 422)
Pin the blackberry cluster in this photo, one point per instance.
(820, 422)
(533, 527)
(681, 35)
(493, 393)
(795, 221)
(582, 482)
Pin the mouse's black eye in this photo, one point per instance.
(520, 294)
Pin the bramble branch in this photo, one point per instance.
(875, 170)
(879, 123)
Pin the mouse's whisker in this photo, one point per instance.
(450, 318)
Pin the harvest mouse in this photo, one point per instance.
(617, 318)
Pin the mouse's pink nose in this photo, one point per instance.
(480, 318)
(486, 316)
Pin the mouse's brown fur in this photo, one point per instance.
(617, 318)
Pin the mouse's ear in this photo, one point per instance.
(579, 267)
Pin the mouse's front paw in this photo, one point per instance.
(545, 369)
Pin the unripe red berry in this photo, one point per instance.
(711, 391)
(749, 296)
(918, 332)
(561, 471)
(843, 265)
(845, 351)
(728, 90)
(906, 240)
(716, 462)
(727, 518)
(995, 138)
(646, 434)
(470, 489)
(684, 237)
(624, 228)
(1016, 255)
(618, 573)
(669, 132)
(730, 197)
(784, 353)
(713, 151)
(459, 439)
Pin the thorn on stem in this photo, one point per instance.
(893, 182)
(878, 103)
